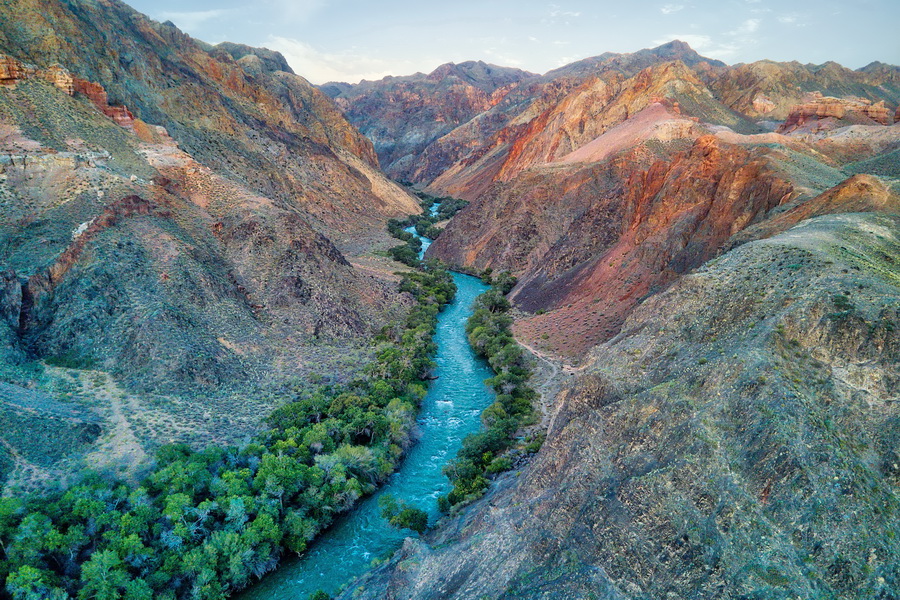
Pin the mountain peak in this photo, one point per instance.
(679, 50)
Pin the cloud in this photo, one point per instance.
(556, 11)
(791, 19)
(498, 57)
(350, 66)
(668, 9)
(295, 11)
(747, 27)
(192, 20)
(723, 47)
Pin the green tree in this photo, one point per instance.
(401, 515)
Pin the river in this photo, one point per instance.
(450, 411)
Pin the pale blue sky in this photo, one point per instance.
(347, 40)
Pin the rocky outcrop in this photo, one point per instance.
(589, 244)
(820, 108)
(768, 90)
(95, 92)
(736, 440)
(13, 71)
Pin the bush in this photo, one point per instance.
(401, 515)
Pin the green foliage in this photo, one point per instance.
(319, 595)
(843, 305)
(70, 360)
(204, 524)
(489, 334)
(401, 515)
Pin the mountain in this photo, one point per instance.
(234, 115)
(602, 192)
(403, 115)
(177, 225)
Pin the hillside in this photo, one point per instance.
(737, 439)
(163, 218)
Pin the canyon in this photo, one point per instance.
(708, 282)
(708, 255)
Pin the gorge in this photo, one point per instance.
(213, 355)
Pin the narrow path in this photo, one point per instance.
(550, 384)
(120, 445)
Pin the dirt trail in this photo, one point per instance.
(549, 381)
(119, 446)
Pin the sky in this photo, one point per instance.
(350, 40)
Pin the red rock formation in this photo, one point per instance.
(548, 129)
(589, 243)
(821, 107)
(44, 281)
(12, 71)
(60, 77)
(95, 92)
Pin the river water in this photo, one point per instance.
(450, 411)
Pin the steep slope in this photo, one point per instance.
(592, 241)
(165, 272)
(736, 440)
(403, 115)
(233, 115)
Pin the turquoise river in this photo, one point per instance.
(450, 411)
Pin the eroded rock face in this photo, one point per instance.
(590, 244)
(737, 439)
(820, 108)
